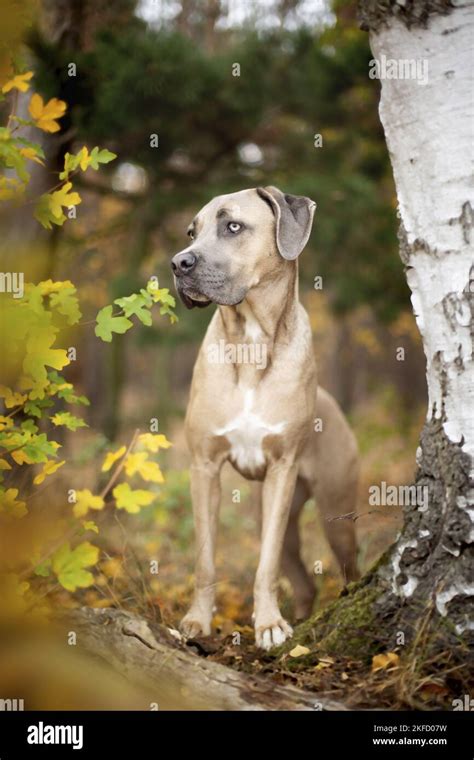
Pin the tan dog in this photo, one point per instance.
(253, 399)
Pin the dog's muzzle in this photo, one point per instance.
(191, 297)
(183, 265)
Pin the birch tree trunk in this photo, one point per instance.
(425, 582)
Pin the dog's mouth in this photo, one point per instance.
(192, 298)
(199, 295)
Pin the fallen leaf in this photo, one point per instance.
(384, 661)
(299, 651)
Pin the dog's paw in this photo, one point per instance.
(193, 625)
(272, 635)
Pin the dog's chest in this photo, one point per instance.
(245, 433)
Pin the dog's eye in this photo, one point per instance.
(234, 227)
(190, 234)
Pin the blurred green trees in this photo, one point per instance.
(218, 132)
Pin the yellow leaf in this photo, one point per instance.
(30, 153)
(19, 82)
(40, 354)
(85, 159)
(299, 651)
(112, 457)
(46, 287)
(130, 500)
(10, 505)
(48, 469)
(85, 500)
(139, 463)
(63, 197)
(10, 188)
(45, 115)
(154, 442)
(11, 398)
(90, 525)
(20, 457)
(5, 422)
(4, 465)
(384, 661)
(324, 662)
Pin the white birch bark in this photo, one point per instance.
(429, 130)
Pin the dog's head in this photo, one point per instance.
(237, 241)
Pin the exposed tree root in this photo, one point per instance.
(149, 656)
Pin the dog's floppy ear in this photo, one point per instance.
(294, 219)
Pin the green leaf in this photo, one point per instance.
(28, 426)
(108, 324)
(66, 302)
(164, 296)
(44, 215)
(101, 157)
(65, 390)
(135, 305)
(39, 449)
(69, 565)
(71, 162)
(68, 420)
(32, 408)
(12, 158)
(35, 408)
(70, 397)
(147, 297)
(167, 301)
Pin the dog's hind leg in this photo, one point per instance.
(292, 564)
(337, 502)
(333, 461)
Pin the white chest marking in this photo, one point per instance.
(245, 433)
(252, 327)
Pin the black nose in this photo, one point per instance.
(183, 263)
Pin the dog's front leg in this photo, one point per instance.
(205, 494)
(270, 628)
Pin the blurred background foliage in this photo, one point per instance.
(218, 132)
(162, 71)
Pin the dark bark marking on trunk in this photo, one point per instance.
(466, 220)
(375, 14)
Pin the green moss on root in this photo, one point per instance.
(349, 626)
(344, 627)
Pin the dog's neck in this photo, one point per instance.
(266, 316)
